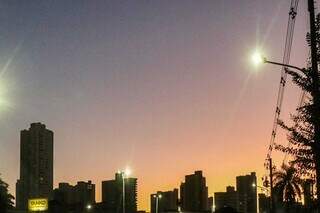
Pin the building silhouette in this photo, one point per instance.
(308, 192)
(264, 203)
(167, 203)
(36, 165)
(75, 198)
(112, 194)
(247, 193)
(226, 199)
(194, 193)
(82, 192)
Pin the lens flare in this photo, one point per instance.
(127, 172)
(257, 58)
(4, 103)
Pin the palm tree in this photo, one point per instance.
(6, 199)
(287, 184)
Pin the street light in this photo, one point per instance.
(258, 59)
(157, 197)
(260, 187)
(124, 174)
(89, 207)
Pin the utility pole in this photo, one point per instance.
(315, 96)
(272, 206)
(123, 193)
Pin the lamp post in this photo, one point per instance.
(314, 92)
(258, 59)
(124, 174)
(157, 197)
(264, 189)
(260, 187)
(284, 65)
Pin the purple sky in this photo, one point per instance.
(164, 87)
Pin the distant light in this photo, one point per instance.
(127, 172)
(257, 58)
(254, 185)
(89, 206)
(160, 195)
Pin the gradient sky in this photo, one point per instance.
(164, 87)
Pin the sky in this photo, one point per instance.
(163, 87)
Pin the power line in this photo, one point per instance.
(283, 79)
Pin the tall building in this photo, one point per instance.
(247, 194)
(194, 193)
(226, 199)
(167, 203)
(36, 164)
(112, 194)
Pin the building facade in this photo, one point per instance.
(36, 165)
(69, 198)
(264, 203)
(226, 199)
(247, 193)
(194, 193)
(112, 194)
(167, 201)
(82, 193)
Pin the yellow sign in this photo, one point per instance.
(38, 204)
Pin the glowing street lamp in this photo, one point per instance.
(124, 174)
(127, 172)
(89, 207)
(260, 187)
(257, 58)
(157, 197)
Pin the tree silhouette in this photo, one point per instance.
(6, 199)
(304, 135)
(287, 184)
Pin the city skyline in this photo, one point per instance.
(37, 176)
(149, 103)
(36, 152)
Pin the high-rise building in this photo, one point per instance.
(112, 194)
(36, 164)
(226, 199)
(167, 201)
(194, 193)
(247, 194)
